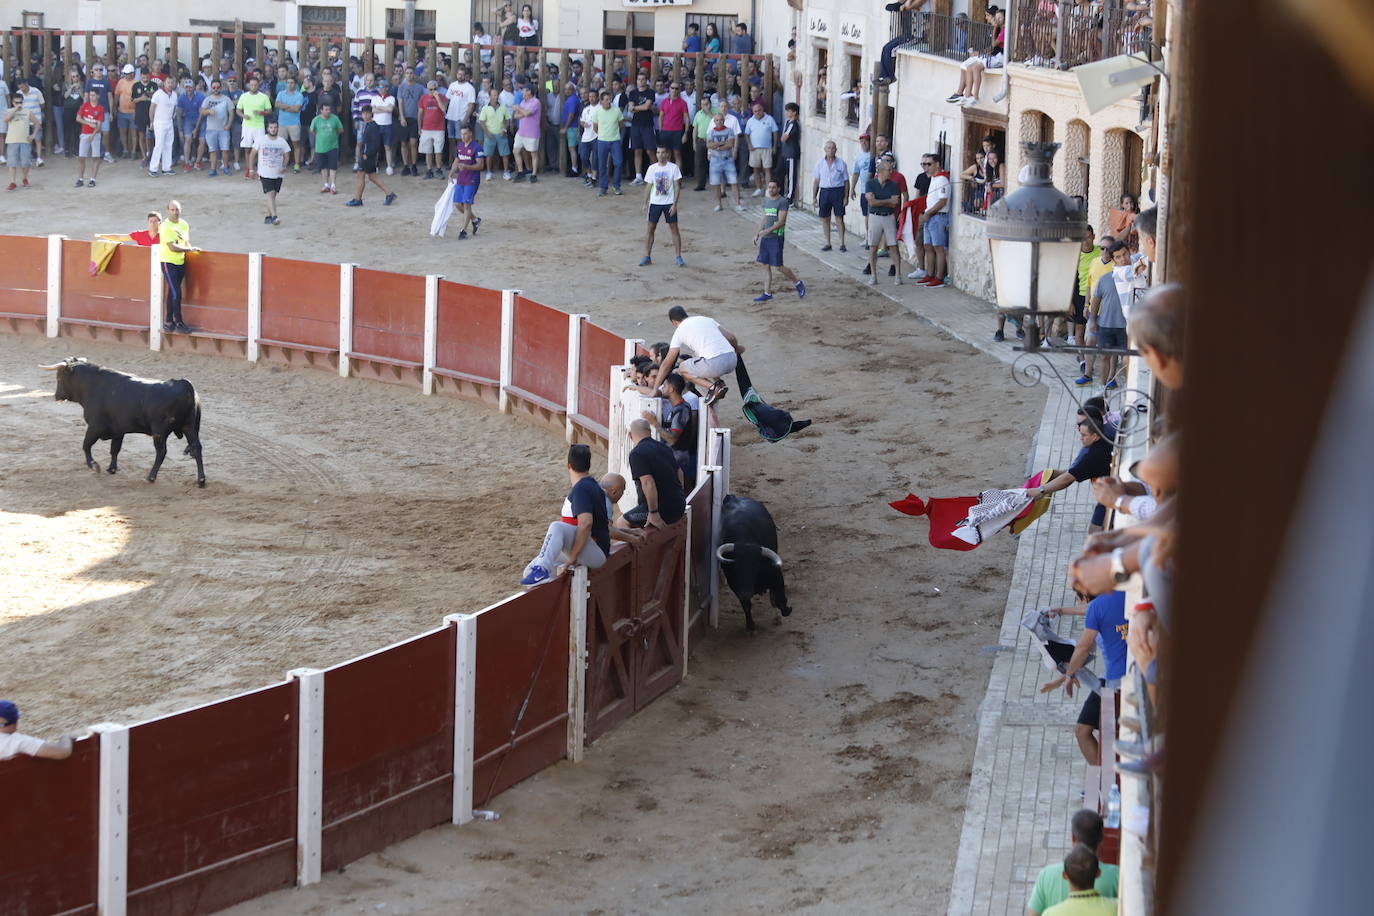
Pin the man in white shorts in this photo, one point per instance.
(715, 352)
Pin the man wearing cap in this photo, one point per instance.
(12, 744)
(100, 84)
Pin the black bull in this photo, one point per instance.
(116, 404)
(749, 553)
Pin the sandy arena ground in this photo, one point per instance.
(821, 765)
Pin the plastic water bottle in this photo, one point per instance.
(1113, 807)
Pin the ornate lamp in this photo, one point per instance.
(1035, 233)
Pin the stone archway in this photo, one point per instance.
(1076, 158)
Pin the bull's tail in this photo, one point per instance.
(193, 427)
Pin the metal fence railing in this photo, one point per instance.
(1064, 34)
(952, 37)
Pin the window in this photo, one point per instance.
(822, 77)
(424, 24)
(853, 90)
(725, 27)
(980, 191)
(629, 30)
(490, 13)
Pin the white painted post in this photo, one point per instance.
(507, 345)
(112, 842)
(631, 348)
(615, 425)
(431, 329)
(687, 594)
(345, 316)
(155, 293)
(54, 322)
(713, 615)
(572, 398)
(464, 712)
(724, 461)
(254, 303)
(577, 665)
(309, 774)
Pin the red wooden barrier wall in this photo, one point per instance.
(469, 332)
(388, 746)
(214, 295)
(610, 678)
(212, 804)
(24, 281)
(300, 303)
(389, 316)
(118, 296)
(600, 350)
(48, 844)
(540, 364)
(522, 652)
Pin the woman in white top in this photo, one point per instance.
(527, 27)
(587, 142)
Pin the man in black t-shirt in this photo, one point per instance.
(674, 426)
(642, 134)
(655, 472)
(1094, 460)
(582, 536)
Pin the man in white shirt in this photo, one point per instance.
(273, 151)
(164, 102)
(935, 222)
(715, 353)
(663, 184)
(461, 97)
(12, 744)
(829, 191)
(383, 113)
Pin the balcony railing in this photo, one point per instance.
(948, 36)
(1065, 34)
(976, 196)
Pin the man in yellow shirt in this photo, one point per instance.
(252, 105)
(173, 242)
(1100, 265)
(1080, 870)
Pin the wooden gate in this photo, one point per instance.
(635, 628)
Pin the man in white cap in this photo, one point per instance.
(12, 744)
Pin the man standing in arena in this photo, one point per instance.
(369, 149)
(582, 534)
(663, 185)
(174, 241)
(769, 238)
(324, 136)
(164, 108)
(829, 191)
(432, 142)
(273, 150)
(90, 116)
(251, 106)
(468, 162)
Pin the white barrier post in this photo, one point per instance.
(724, 462)
(254, 303)
(431, 329)
(464, 711)
(309, 773)
(631, 348)
(112, 841)
(687, 594)
(345, 316)
(54, 322)
(155, 293)
(507, 346)
(577, 665)
(713, 614)
(572, 398)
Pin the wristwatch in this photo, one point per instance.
(1119, 574)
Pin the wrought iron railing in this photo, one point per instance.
(952, 37)
(1061, 34)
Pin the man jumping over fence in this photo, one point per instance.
(714, 353)
(582, 536)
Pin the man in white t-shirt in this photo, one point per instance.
(12, 744)
(934, 222)
(163, 116)
(662, 184)
(273, 151)
(714, 350)
(383, 113)
(461, 97)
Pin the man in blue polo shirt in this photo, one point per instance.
(1104, 626)
(582, 536)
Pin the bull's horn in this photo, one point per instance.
(55, 366)
(723, 553)
(777, 560)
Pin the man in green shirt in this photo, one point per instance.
(609, 155)
(1051, 887)
(251, 106)
(1080, 870)
(495, 120)
(701, 126)
(324, 135)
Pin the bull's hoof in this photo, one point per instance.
(111, 469)
(786, 612)
(201, 483)
(94, 466)
(151, 478)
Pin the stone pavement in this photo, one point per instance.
(1028, 774)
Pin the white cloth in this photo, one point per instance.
(661, 180)
(700, 336)
(461, 98)
(443, 209)
(162, 147)
(12, 745)
(995, 510)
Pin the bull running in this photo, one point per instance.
(749, 555)
(116, 404)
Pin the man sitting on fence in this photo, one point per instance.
(714, 353)
(662, 500)
(582, 536)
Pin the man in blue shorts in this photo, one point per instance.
(468, 162)
(663, 184)
(643, 137)
(769, 238)
(720, 153)
(830, 189)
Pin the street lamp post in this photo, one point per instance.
(1035, 233)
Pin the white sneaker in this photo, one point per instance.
(719, 208)
(897, 282)
(758, 192)
(40, 161)
(739, 207)
(2, 160)
(872, 281)
(969, 100)
(390, 170)
(488, 176)
(639, 179)
(109, 158)
(238, 167)
(506, 176)
(917, 274)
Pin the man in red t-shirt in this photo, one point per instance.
(432, 113)
(673, 120)
(90, 116)
(148, 238)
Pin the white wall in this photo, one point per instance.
(169, 15)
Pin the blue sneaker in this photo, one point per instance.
(680, 262)
(213, 173)
(1111, 386)
(645, 261)
(1083, 380)
(390, 199)
(536, 576)
(763, 298)
(801, 290)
